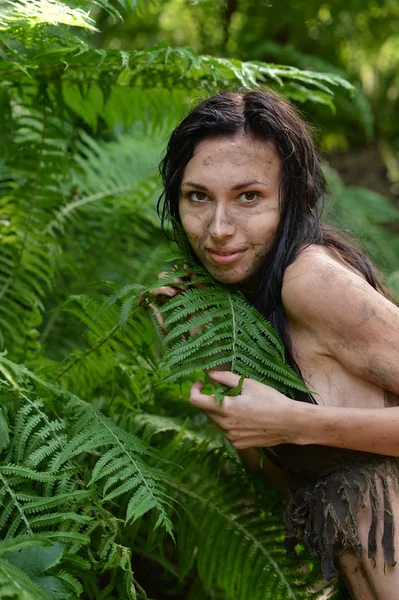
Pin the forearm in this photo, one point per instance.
(369, 430)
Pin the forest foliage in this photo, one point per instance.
(109, 479)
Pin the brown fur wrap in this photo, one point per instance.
(327, 487)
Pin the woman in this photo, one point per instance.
(242, 178)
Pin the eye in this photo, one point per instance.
(249, 197)
(197, 196)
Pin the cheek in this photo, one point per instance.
(185, 220)
(263, 225)
(193, 225)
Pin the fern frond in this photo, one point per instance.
(234, 541)
(70, 582)
(209, 325)
(112, 212)
(180, 68)
(121, 468)
(22, 507)
(30, 13)
(34, 500)
(22, 541)
(26, 273)
(58, 517)
(359, 107)
(109, 343)
(4, 432)
(108, 172)
(152, 425)
(122, 579)
(45, 436)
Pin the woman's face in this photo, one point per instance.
(229, 204)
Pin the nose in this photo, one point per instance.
(222, 224)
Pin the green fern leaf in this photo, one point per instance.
(70, 582)
(213, 325)
(22, 541)
(4, 432)
(237, 548)
(121, 467)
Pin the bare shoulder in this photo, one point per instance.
(320, 286)
(349, 319)
(318, 260)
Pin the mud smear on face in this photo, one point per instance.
(227, 219)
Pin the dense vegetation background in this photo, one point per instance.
(111, 486)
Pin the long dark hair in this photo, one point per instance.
(269, 117)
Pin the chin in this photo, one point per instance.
(227, 278)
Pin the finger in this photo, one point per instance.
(164, 290)
(203, 401)
(198, 386)
(158, 317)
(177, 280)
(254, 439)
(225, 377)
(254, 442)
(223, 367)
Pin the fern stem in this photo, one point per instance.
(16, 503)
(233, 317)
(63, 212)
(88, 352)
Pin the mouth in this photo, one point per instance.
(225, 257)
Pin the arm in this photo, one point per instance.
(260, 417)
(359, 328)
(366, 429)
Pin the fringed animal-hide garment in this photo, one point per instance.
(327, 486)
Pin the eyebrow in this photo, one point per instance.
(237, 186)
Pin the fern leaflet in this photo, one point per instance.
(210, 325)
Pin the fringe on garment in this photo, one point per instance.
(323, 504)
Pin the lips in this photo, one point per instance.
(225, 257)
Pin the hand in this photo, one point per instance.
(259, 417)
(161, 294)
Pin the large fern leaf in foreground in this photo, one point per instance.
(236, 544)
(209, 325)
(121, 467)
